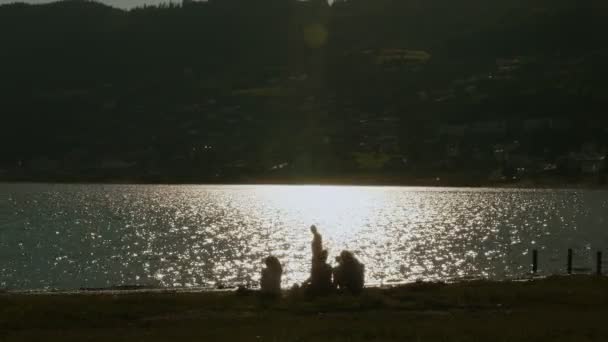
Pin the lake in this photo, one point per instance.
(56, 236)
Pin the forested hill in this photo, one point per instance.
(228, 90)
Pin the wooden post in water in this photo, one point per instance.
(534, 261)
(569, 260)
(599, 263)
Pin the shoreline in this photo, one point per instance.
(144, 289)
(333, 182)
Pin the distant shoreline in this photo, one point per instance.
(390, 181)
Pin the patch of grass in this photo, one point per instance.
(554, 309)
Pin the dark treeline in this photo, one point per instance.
(230, 90)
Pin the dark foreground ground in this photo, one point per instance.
(554, 309)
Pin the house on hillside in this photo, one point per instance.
(583, 163)
(591, 166)
(453, 150)
(507, 65)
(401, 56)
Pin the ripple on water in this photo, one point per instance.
(73, 236)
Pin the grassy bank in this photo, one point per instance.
(554, 309)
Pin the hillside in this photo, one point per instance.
(233, 90)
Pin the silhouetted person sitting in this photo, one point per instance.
(349, 274)
(317, 243)
(320, 282)
(271, 277)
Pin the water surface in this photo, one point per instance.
(73, 236)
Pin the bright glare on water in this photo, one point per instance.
(73, 236)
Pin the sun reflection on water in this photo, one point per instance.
(71, 236)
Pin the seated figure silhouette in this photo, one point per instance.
(320, 282)
(271, 277)
(349, 274)
(317, 243)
